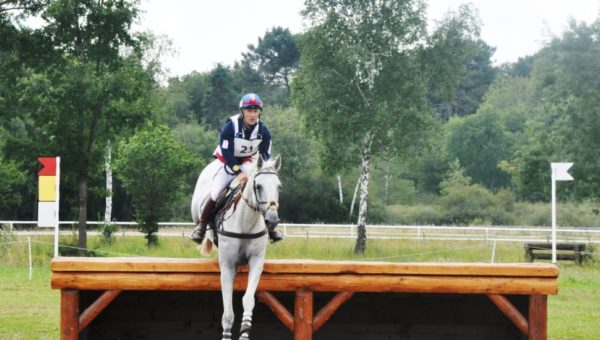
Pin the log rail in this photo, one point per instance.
(304, 277)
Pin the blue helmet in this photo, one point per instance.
(251, 101)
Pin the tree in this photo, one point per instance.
(457, 60)
(153, 168)
(477, 79)
(222, 98)
(11, 178)
(480, 143)
(359, 87)
(303, 182)
(275, 57)
(566, 128)
(95, 86)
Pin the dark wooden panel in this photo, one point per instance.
(197, 315)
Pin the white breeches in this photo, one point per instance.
(222, 179)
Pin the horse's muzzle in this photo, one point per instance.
(271, 217)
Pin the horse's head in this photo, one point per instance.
(266, 186)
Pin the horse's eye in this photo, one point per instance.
(259, 187)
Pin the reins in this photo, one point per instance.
(255, 207)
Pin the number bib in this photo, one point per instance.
(245, 148)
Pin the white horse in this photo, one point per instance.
(242, 234)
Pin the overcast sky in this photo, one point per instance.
(207, 32)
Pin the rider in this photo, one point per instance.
(243, 136)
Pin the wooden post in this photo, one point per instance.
(303, 315)
(327, 311)
(98, 306)
(538, 317)
(280, 311)
(69, 314)
(511, 312)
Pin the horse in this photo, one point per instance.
(242, 235)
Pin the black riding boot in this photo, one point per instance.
(274, 235)
(199, 232)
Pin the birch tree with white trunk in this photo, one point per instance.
(362, 83)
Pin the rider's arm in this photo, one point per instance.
(226, 143)
(265, 146)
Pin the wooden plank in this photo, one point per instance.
(173, 265)
(69, 314)
(303, 315)
(559, 246)
(538, 317)
(511, 312)
(97, 307)
(327, 311)
(278, 309)
(559, 256)
(317, 282)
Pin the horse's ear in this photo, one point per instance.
(260, 162)
(277, 161)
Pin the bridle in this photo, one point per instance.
(255, 207)
(259, 203)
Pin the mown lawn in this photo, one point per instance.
(30, 309)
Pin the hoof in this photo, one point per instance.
(245, 330)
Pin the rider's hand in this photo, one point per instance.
(242, 178)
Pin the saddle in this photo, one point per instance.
(228, 198)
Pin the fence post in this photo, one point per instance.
(486, 236)
(30, 261)
(493, 252)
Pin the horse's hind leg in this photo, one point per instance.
(255, 268)
(227, 277)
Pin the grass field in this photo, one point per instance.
(30, 309)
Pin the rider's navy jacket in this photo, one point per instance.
(228, 136)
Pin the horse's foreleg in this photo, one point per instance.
(227, 277)
(255, 268)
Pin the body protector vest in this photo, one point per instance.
(244, 147)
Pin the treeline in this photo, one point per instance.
(353, 104)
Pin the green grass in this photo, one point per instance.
(30, 309)
(574, 313)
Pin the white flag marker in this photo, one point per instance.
(559, 173)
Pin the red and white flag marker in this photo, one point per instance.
(559, 173)
(48, 195)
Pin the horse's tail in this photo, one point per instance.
(207, 245)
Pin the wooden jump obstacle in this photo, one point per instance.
(166, 298)
(566, 251)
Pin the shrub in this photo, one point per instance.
(108, 233)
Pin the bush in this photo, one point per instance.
(108, 233)
(415, 215)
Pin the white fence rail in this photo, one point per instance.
(348, 231)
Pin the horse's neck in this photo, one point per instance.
(247, 215)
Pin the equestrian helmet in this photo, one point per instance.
(251, 101)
